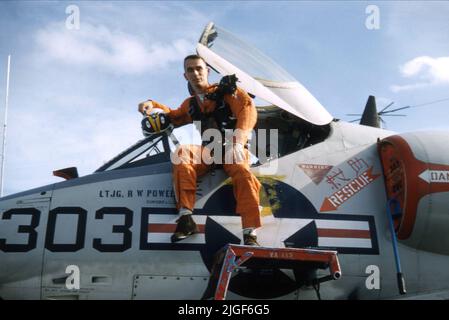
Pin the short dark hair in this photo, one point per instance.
(193, 57)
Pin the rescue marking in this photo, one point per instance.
(353, 187)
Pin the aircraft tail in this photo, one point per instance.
(370, 116)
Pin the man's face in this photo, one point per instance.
(196, 73)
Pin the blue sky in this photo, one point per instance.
(74, 93)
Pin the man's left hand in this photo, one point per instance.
(239, 153)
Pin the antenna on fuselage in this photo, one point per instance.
(5, 125)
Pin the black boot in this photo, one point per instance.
(250, 240)
(186, 227)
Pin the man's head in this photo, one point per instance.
(196, 72)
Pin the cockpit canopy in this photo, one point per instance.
(259, 75)
(150, 150)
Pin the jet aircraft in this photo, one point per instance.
(330, 185)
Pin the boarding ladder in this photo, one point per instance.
(232, 257)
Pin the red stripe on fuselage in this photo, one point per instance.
(168, 227)
(344, 233)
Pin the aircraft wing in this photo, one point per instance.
(259, 75)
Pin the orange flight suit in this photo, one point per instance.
(245, 184)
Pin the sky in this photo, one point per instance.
(74, 88)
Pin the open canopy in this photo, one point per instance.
(259, 75)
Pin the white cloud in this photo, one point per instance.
(430, 71)
(435, 69)
(114, 51)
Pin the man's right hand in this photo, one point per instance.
(156, 122)
(146, 107)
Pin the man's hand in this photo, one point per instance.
(146, 107)
(156, 122)
(238, 153)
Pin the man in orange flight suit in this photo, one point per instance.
(202, 106)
